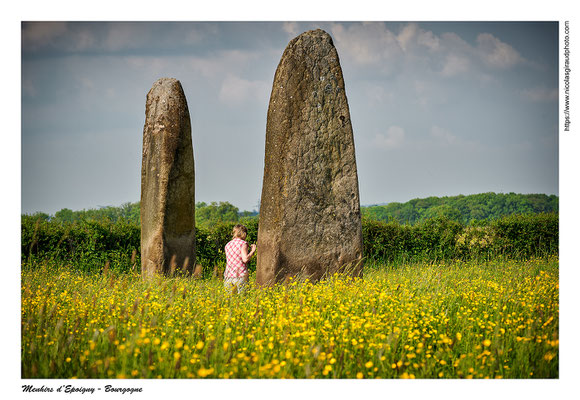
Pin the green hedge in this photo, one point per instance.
(527, 235)
(89, 245)
(440, 238)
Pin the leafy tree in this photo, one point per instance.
(40, 216)
(64, 215)
(444, 210)
(214, 213)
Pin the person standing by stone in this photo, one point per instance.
(167, 183)
(310, 221)
(237, 256)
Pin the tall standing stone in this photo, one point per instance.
(167, 182)
(310, 221)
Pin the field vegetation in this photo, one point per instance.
(444, 320)
(439, 298)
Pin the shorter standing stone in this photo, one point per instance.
(167, 183)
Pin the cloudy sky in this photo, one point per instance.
(437, 108)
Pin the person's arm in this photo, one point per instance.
(245, 255)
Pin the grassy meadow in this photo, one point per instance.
(471, 319)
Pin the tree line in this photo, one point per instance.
(205, 214)
(462, 209)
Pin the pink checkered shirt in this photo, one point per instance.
(235, 267)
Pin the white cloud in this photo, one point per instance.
(413, 39)
(455, 65)
(428, 39)
(236, 90)
(452, 42)
(540, 94)
(111, 93)
(291, 28)
(368, 44)
(444, 138)
(85, 83)
(412, 49)
(496, 53)
(443, 135)
(394, 138)
(461, 58)
(407, 34)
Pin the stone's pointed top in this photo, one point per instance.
(315, 32)
(166, 84)
(316, 35)
(168, 88)
(164, 81)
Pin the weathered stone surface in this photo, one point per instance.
(310, 222)
(167, 182)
